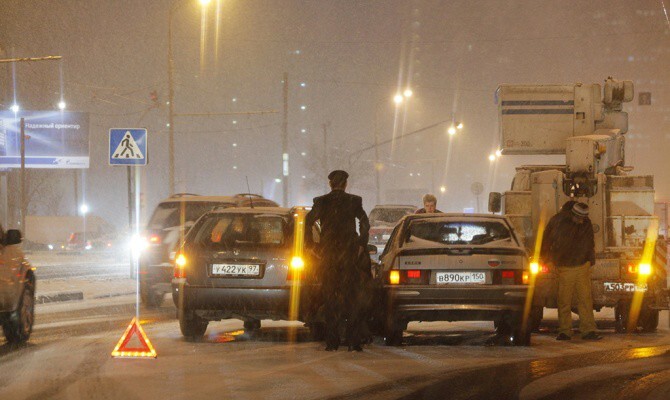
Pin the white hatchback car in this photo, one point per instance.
(455, 267)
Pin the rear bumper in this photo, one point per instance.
(273, 302)
(546, 293)
(421, 303)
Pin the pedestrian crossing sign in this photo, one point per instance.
(128, 146)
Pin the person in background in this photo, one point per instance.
(429, 205)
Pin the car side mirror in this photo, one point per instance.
(13, 236)
(372, 249)
(495, 202)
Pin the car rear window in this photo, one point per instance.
(388, 215)
(450, 232)
(167, 214)
(223, 231)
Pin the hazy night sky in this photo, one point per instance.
(353, 56)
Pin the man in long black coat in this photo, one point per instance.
(341, 248)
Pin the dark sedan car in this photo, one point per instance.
(244, 263)
(455, 267)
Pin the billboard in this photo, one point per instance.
(54, 139)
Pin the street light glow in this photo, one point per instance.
(205, 3)
(398, 98)
(277, 180)
(407, 93)
(15, 107)
(452, 130)
(492, 157)
(61, 105)
(498, 153)
(460, 125)
(83, 209)
(443, 189)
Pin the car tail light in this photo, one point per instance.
(537, 268)
(295, 268)
(644, 269)
(180, 266)
(154, 239)
(632, 269)
(525, 277)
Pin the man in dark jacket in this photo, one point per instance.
(340, 249)
(569, 246)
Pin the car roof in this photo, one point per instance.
(197, 198)
(254, 210)
(468, 216)
(394, 206)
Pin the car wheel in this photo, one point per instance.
(536, 314)
(513, 326)
(393, 337)
(648, 320)
(252, 325)
(151, 298)
(621, 312)
(192, 326)
(19, 325)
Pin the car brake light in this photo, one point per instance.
(525, 277)
(394, 277)
(413, 274)
(632, 269)
(508, 274)
(154, 239)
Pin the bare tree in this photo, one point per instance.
(44, 191)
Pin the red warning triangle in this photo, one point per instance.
(145, 350)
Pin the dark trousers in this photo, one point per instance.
(342, 297)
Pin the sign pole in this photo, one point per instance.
(137, 234)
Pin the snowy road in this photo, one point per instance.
(68, 357)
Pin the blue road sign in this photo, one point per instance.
(128, 146)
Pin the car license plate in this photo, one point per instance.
(460, 277)
(624, 287)
(236, 269)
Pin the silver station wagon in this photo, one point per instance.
(245, 263)
(455, 267)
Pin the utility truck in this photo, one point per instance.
(587, 124)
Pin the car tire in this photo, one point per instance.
(513, 326)
(252, 325)
(648, 320)
(192, 326)
(18, 327)
(151, 298)
(621, 312)
(393, 332)
(536, 314)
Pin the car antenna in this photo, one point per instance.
(251, 200)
